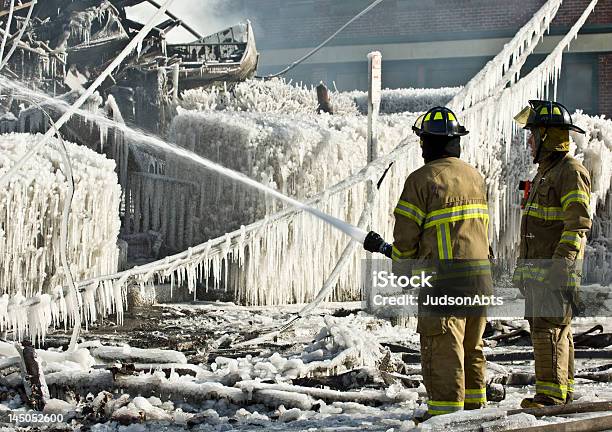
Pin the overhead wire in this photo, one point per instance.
(322, 44)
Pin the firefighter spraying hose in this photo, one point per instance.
(442, 217)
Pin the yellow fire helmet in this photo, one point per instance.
(546, 114)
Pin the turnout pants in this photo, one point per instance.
(452, 362)
(553, 350)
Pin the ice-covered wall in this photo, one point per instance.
(302, 154)
(297, 155)
(30, 219)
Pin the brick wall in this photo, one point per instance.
(299, 23)
(605, 84)
(570, 11)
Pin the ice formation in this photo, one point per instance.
(406, 100)
(276, 95)
(278, 139)
(493, 144)
(30, 217)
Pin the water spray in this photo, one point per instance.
(139, 137)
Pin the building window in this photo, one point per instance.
(577, 87)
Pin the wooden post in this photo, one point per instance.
(374, 96)
(34, 383)
(323, 99)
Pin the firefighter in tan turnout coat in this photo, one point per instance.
(442, 216)
(554, 225)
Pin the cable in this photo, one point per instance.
(311, 53)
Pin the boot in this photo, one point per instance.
(422, 417)
(569, 398)
(538, 401)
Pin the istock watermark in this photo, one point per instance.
(536, 288)
(386, 279)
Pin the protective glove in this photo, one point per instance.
(563, 278)
(375, 243)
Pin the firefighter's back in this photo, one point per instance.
(457, 216)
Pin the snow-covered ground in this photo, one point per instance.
(333, 370)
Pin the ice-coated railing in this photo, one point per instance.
(504, 67)
(494, 144)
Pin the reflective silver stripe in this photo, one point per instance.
(444, 407)
(457, 214)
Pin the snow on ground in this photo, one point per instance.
(285, 384)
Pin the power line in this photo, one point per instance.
(311, 53)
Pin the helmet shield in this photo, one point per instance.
(524, 116)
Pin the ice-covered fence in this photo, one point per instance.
(161, 204)
(30, 219)
(285, 257)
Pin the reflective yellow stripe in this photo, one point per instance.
(453, 214)
(532, 273)
(570, 386)
(546, 213)
(445, 246)
(411, 211)
(551, 389)
(575, 196)
(398, 255)
(443, 407)
(475, 396)
(571, 237)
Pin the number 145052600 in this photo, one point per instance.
(35, 418)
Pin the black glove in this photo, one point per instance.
(375, 243)
(563, 278)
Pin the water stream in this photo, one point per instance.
(140, 137)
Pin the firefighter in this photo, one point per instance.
(554, 225)
(442, 216)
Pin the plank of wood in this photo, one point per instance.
(584, 425)
(572, 408)
(17, 7)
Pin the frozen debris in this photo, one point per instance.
(463, 420)
(138, 355)
(270, 96)
(30, 212)
(58, 406)
(151, 412)
(404, 100)
(512, 422)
